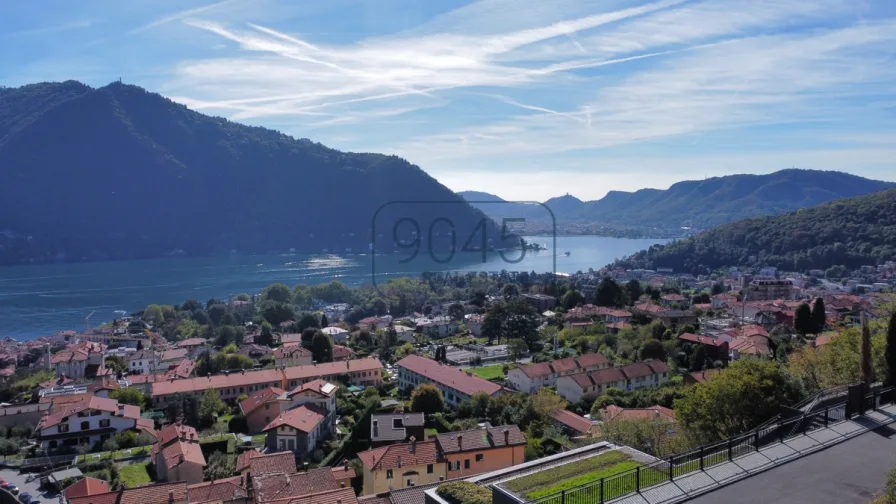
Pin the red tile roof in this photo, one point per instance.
(181, 452)
(217, 382)
(320, 387)
(705, 375)
(191, 342)
(291, 351)
(402, 454)
(599, 377)
(646, 368)
(338, 496)
(304, 418)
(481, 439)
(157, 493)
(86, 486)
(282, 487)
(571, 420)
(448, 376)
(257, 399)
(703, 340)
(342, 473)
(281, 462)
(218, 490)
(333, 369)
(243, 460)
(565, 365)
(174, 431)
(90, 403)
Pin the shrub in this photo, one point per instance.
(464, 492)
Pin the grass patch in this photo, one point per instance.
(35, 379)
(116, 455)
(489, 372)
(575, 474)
(134, 474)
(430, 433)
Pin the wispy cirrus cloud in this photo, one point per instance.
(183, 14)
(51, 29)
(500, 79)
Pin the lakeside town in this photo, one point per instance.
(432, 386)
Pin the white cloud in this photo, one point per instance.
(510, 80)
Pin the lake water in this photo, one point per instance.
(42, 299)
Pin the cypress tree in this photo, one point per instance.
(819, 318)
(867, 371)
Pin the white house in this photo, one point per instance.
(531, 377)
(91, 420)
(473, 321)
(338, 334)
(404, 333)
(292, 355)
(638, 375)
(81, 360)
(436, 327)
(145, 362)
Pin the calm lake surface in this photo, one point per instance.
(42, 299)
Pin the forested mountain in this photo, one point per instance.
(118, 172)
(850, 232)
(713, 201)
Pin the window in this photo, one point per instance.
(63, 427)
(267, 419)
(96, 413)
(429, 468)
(104, 422)
(466, 463)
(479, 457)
(388, 473)
(267, 406)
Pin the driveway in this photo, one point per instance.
(13, 477)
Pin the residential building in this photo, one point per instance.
(668, 316)
(342, 353)
(338, 334)
(88, 420)
(404, 333)
(145, 362)
(173, 356)
(574, 425)
(473, 322)
(540, 302)
(456, 385)
(669, 300)
(261, 407)
(638, 375)
(700, 376)
(436, 327)
(264, 406)
(292, 355)
(768, 289)
(86, 487)
(191, 343)
(297, 430)
(231, 490)
(716, 348)
(176, 454)
(362, 372)
(531, 377)
(375, 323)
(158, 493)
(317, 486)
(391, 428)
(343, 475)
(477, 451)
(81, 360)
(402, 465)
(272, 463)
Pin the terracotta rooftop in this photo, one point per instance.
(320, 387)
(181, 452)
(480, 439)
(219, 490)
(90, 403)
(705, 375)
(304, 418)
(190, 342)
(175, 431)
(571, 420)
(155, 493)
(398, 455)
(703, 340)
(86, 486)
(259, 398)
(243, 460)
(281, 462)
(448, 376)
(338, 496)
(280, 486)
(187, 385)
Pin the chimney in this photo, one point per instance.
(171, 495)
(399, 461)
(345, 465)
(460, 442)
(506, 437)
(413, 444)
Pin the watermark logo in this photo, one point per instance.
(410, 238)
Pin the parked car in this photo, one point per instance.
(3, 483)
(12, 489)
(26, 498)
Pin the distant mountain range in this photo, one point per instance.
(696, 203)
(850, 232)
(121, 173)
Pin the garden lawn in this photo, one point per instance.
(576, 474)
(134, 474)
(489, 372)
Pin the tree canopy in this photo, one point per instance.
(427, 399)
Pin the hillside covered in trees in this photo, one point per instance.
(121, 173)
(697, 203)
(850, 232)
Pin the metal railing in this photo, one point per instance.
(663, 470)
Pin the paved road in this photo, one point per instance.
(852, 472)
(18, 480)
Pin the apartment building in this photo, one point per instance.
(531, 377)
(87, 421)
(456, 385)
(638, 375)
(176, 455)
(478, 451)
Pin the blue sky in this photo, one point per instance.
(526, 99)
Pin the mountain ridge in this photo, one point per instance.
(716, 200)
(118, 172)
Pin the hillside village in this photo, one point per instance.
(335, 395)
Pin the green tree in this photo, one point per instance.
(652, 349)
(736, 400)
(209, 407)
(571, 299)
(865, 352)
(890, 488)
(491, 326)
(153, 314)
(510, 290)
(126, 439)
(130, 396)
(427, 399)
(819, 316)
(698, 358)
(308, 336)
(323, 321)
(243, 297)
(608, 293)
(216, 312)
(633, 290)
(277, 293)
(890, 351)
(220, 465)
(308, 320)
(116, 364)
(516, 349)
(456, 311)
(277, 313)
(802, 320)
(321, 347)
(266, 335)
(301, 296)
